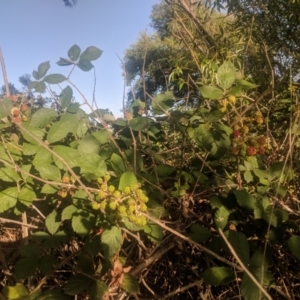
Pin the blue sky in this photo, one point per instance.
(35, 31)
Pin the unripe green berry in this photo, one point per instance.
(131, 202)
(102, 194)
(143, 207)
(106, 177)
(103, 205)
(111, 188)
(100, 180)
(122, 208)
(112, 205)
(132, 218)
(103, 187)
(131, 208)
(127, 190)
(95, 205)
(117, 194)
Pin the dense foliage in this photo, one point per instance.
(193, 194)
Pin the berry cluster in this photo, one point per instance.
(128, 203)
(243, 145)
(223, 103)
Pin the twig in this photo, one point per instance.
(17, 222)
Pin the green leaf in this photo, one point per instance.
(88, 145)
(25, 267)
(77, 284)
(102, 136)
(154, 232)
(226, 75)
(84, 65)
(63, 62)
(85, 263)
(91, 53)
(221, 217)
(127, 179)
(248, 176)
(49, 189)
(199, 233)
(98, 290)
(68, 212)
(5, 107)
(162, 103)
(245, 85)
(294, 245)
(218, 276)
(43, 157)
(43, 69)
(73, 108)
(27, 195)
(32, 250)
(52, 223)
(92, 164)
(211, 92)
(131, 226)
(35, 132)
(139, 123)
(9, 175)
(8, 198)
(130, 284)
(39, 86)
(65, 97)
(17, 292)
(111, 240)
(55, 78)
(117, 163)
(245, 199)
(29, 149)
(49, 172)
(59, 130)
(68, 154)
(240, 244)
(74, 52)
(42, 117)
(82, 223)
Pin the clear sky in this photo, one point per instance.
(35, 31)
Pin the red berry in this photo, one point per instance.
(235, 151)
(236, 134)
(24, 107)
(261, 150)
(251, 151)
(261, 140)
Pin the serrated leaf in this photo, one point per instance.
(84, 65)
(118, 164)
(221, 217)
(43, 157)
(63, 62)
(131, 226)
(199, 233)
(154, 232)
(245, 85)
(32, 250)
(92, 164)
(43, 69)
(74, 52)
(17, 292)
(59, 130)
(111, 240)
(35, 133)
(68, 154)
(130, 284)
(82, 223)
(49, 189)
(54, 78)
(49, 172)
(218, 276)
(245, 199)
(68, 212)
(294, 245)
(77, 284)
(91, 53)
(127, 179)
(139, 123)
(98, 290)
(240, 244)
(85, 263)
(73, 108)
(226, 75)
(102, 136)
(248, 176)
(88, 145)
(211, 92)
(42, 117)
(52, 222)
(27, 195)
(9, 175)
(65, 97)
(8, 198)
(35, 75)
(25, 267)
(39, 86)
(5, 107)
(162, 103)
